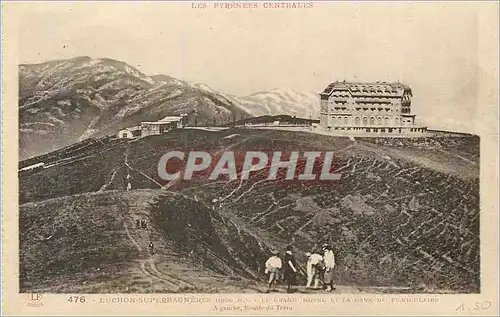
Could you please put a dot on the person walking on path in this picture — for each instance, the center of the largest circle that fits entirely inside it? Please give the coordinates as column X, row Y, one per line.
column 291, row 269
column 329, row 261
column 273, row 266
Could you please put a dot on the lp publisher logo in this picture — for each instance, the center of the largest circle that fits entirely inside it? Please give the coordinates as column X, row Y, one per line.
column 35, row 300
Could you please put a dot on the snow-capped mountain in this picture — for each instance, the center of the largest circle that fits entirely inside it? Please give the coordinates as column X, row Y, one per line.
column 284, row 101
column 279, row 101
column 64, row 101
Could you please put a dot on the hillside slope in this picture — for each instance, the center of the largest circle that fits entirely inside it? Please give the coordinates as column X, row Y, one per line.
column 405, row 212
column 99, row 248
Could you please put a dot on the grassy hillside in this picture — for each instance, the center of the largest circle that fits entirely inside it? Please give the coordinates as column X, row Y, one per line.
column 405, row 212
column 90, row 243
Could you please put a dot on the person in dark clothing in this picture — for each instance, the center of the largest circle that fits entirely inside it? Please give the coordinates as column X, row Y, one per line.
column 151, row 248
column 291, row 269
column 138, row 224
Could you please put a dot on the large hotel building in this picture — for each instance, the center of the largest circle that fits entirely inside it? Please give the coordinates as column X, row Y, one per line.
column 368, row 108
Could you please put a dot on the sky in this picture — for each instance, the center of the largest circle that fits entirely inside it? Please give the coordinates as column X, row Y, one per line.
column 433, row 47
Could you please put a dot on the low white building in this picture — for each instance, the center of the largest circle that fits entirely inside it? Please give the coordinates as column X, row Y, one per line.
column 129, row 133
column 161, row 126
column 174, row 120
column 153, row 127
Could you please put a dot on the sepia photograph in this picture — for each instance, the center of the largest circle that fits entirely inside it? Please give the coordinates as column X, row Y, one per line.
column 305, row 148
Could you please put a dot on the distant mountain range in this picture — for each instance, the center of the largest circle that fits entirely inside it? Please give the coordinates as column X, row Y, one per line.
column 65, row 101
column 274, row 102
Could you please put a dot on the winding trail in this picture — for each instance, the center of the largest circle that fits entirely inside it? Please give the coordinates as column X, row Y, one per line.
column 147, row 262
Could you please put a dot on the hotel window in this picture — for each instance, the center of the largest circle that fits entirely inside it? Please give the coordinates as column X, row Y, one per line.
column 379, row 121
column 356, row 121
column 372, row 121
column 365, row 120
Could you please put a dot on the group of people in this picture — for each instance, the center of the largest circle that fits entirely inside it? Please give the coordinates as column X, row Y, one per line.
column 143, row 224
column 319, row 266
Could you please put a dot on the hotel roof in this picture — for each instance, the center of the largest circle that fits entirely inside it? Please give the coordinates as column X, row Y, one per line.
column 368, row 89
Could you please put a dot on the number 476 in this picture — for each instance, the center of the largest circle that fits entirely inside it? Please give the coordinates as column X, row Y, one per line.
column 76, row 299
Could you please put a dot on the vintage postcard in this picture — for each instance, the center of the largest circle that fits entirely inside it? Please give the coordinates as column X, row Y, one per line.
column 250, row 158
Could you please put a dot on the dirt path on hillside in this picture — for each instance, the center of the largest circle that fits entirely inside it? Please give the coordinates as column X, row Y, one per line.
column 148, row 263
column 161, row 281
column 163, row 274
column 141, row 239
column 186, row 279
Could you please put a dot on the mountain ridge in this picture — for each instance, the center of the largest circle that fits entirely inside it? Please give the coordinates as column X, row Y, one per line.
column 68, row 100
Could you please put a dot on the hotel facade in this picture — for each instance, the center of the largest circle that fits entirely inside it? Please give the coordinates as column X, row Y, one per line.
column 368, row 108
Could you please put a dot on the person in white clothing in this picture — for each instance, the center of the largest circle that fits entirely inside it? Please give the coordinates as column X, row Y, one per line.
column 273, row 266
column 314, row 262
column 329, row 261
